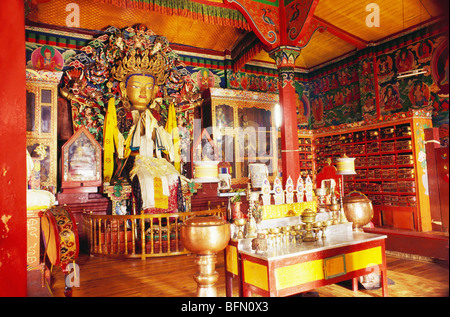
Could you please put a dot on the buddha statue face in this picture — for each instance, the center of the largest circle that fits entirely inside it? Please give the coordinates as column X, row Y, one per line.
column 140, row 90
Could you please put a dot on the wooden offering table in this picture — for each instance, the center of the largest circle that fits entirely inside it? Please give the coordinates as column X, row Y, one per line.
column 299, row 267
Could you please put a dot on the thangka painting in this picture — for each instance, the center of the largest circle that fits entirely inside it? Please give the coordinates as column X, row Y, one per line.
column 335, row 97
column 303, row 105
column 47, row 58
column 207, row 78
column 367, row 89
column 428, row 91
column 252, row 82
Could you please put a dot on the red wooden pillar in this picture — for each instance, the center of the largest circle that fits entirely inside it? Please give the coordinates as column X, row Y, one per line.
column 285, row 57
column 13, row 230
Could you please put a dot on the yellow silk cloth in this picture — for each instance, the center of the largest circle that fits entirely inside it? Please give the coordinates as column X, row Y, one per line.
column 172, row 129
column 113, row 140
column 161, row 200
column 109, row 130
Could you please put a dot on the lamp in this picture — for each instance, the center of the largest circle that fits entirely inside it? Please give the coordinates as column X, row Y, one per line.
column 345, row 166
column 277, row 115
column 413, row 72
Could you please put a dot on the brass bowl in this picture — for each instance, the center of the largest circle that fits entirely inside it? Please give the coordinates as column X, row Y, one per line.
column 299, row 227
column 320, row 191
column 359, row 210
column 274, row 230
column 205, row 235
column 333, row 207
column 240, row 221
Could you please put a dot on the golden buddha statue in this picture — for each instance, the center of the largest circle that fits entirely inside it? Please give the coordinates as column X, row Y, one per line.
column 144, row 147
column 140, row 135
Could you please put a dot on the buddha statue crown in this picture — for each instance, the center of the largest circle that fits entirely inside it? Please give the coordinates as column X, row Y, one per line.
column 138, row 51
column 139, row 62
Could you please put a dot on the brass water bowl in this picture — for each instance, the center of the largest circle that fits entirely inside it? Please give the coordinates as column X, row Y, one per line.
column 320, row 191
column 205, row 235
column 240, row 221
column 359, row 210
column 274, row 230
column 333, row 207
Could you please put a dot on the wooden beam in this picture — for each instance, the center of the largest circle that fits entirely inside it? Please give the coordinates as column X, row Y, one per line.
column 305, row 31
column 343, row 35
column 245, row 50
column 243, row 44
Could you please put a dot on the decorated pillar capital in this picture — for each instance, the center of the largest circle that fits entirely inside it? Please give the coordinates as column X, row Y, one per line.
column 285, row 56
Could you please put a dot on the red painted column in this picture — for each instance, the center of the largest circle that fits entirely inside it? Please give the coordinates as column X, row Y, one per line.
column 285, row 59
column 13, row 230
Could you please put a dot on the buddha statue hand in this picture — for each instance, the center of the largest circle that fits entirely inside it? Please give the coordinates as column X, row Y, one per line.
column 156, row 104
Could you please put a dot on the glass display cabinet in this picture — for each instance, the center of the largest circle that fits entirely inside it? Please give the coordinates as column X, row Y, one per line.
column 41, row 103
column 242, row 126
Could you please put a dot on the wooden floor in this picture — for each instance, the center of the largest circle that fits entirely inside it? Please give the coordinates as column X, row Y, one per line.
column 173, row 277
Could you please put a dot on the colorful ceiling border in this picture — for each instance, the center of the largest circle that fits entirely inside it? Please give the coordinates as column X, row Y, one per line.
column 206, row 11
column 400, row 41
column 69, row 39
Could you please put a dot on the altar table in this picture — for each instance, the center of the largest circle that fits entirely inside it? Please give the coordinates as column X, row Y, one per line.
column 295, row 268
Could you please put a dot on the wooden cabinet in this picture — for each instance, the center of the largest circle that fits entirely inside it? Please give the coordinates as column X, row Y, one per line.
column 41, row 99
column 390, row 162
column 306, row 152
column 242, row 126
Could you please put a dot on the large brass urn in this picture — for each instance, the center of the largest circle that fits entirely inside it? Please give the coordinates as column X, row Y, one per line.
column 205, row 236
column 358, row 209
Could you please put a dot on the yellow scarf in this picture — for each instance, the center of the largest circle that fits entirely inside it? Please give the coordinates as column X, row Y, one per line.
column 110, row 132
column 112, row 137
column 171, row 127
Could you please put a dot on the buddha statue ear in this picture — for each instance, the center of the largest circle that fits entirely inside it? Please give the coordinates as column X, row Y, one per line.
column 125, row 102
column 123, row 89
column 155, row 91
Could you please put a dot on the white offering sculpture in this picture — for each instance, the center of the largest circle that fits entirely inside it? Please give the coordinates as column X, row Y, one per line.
column 278, row 192
column 300, row 189
column 265, row 192
column 304, row 189
column 289, row 191
column 308, row 189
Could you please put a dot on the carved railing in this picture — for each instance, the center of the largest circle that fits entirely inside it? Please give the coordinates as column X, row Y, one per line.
column 140, row 236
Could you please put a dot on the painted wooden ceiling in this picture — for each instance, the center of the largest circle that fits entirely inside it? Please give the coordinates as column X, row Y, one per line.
column 344, row 22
